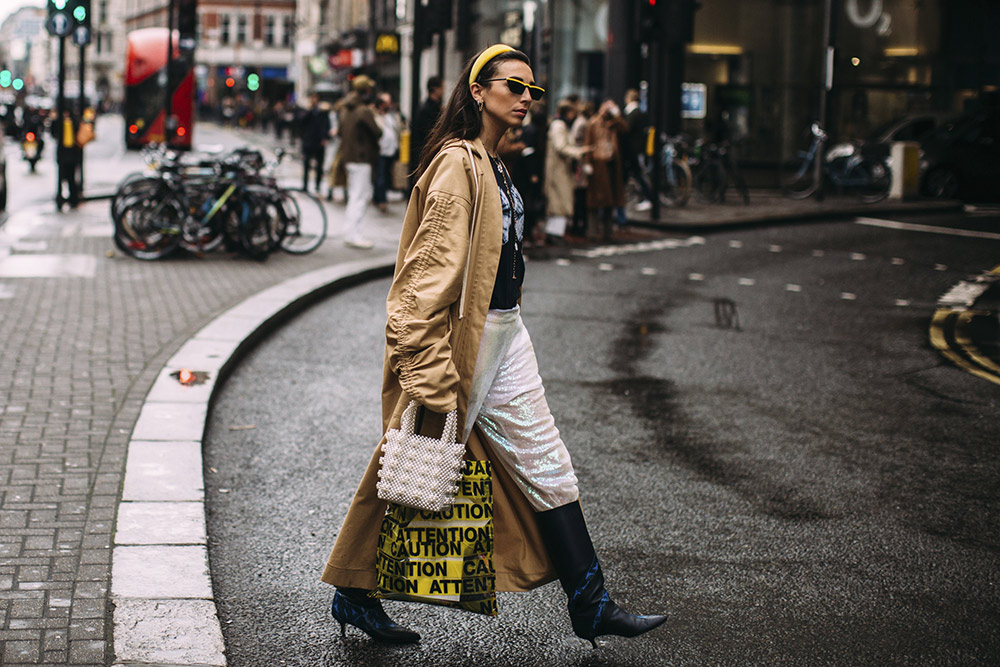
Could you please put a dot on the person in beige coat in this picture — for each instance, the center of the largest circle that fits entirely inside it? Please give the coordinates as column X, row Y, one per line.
column 561, row 154
column 455, row 341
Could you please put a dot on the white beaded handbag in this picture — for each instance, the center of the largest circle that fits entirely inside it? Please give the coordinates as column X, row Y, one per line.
column 419, row 471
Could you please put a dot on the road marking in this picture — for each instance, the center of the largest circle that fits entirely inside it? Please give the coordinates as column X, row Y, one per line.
column 648, row 271
column 6, row 291
column 603, row 266
column 848, row 296
column 898, row 261
column 902, row 303
column 791, row 287
column 940, row 267
column 946, row 317
column 696, row 277
column 818, row 253
column 646, row 246
column 736, row 244
column 747, row 282
column 563, row 262
column 48, row 266
column 932, row 229
column 774, row 248
column 858, row 256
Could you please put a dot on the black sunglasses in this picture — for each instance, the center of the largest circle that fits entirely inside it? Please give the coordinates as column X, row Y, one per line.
column 517, row 87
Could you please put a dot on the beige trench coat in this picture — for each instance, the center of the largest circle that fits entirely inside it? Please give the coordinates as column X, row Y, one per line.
column 431, row 354
column 560, row 181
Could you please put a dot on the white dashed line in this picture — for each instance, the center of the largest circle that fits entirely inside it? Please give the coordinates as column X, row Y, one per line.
column 791, row 287
column 736, row 244
column 603, row 266
column 563, row 262
column 898, row 261
column 648, row 271
column 774, row 248
column 911, row 227
column 902, row 303
column 646, row 246
column 747, row 282
column 848, row 296
column 940, row 267
column 696, row 277
column 858, row 256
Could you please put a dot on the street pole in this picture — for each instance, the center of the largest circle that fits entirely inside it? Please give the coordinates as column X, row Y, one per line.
column 168, row 104
column 80, row 107
column 60, row 109
column 415, row 88
column 828, row 53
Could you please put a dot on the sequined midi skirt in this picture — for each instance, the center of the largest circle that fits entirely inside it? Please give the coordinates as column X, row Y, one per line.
column 507, row 402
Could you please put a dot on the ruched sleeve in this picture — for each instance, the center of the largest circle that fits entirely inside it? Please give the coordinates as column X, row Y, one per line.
column 427, row 283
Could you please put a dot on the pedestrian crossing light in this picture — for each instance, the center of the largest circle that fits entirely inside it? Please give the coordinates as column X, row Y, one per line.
column 5, row 78
column 253, row 82
column 17, row 84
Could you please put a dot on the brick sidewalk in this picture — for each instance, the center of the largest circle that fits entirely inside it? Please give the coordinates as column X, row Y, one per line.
column 79, row 355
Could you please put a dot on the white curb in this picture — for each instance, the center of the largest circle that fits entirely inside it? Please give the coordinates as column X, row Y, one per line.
column 161, row 585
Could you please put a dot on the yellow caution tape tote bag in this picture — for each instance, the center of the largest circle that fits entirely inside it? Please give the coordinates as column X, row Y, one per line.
column 446, row 557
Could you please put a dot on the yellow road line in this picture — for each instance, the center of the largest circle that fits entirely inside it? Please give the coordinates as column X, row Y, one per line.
column 945, row 317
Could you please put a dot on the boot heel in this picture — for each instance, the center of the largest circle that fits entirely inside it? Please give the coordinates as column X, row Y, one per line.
column 354, row 607
column 343, row 629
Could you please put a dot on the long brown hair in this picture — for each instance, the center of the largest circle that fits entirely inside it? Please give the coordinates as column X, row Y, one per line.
column 461, row 118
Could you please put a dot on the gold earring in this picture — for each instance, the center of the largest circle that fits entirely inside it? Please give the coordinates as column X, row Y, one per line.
column 479, row 105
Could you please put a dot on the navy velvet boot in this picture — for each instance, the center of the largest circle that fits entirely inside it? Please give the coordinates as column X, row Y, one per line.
column 591, row 609
column 353, row 606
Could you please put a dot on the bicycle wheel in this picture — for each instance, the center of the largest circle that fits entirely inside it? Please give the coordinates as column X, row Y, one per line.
column 798, row 177
column 710, row 181
column 674, row 187
column 875, row 178
column 148, row 228
column 306, row 222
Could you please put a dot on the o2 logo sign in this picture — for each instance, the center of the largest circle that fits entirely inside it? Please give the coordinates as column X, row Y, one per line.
column 873, row 17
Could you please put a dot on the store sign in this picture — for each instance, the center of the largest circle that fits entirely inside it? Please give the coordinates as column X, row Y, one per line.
column 346, row 58
column 387, row 44
column 694, row 100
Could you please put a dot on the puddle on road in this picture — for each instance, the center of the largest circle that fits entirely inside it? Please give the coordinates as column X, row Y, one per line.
column 48, row 266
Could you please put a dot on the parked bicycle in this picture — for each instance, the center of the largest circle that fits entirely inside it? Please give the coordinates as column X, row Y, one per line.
column 846, row 167
column 671, row 182
column 230, row 201
column 712, row 168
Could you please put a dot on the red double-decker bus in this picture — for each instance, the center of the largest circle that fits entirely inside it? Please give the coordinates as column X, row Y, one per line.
column 145, row 94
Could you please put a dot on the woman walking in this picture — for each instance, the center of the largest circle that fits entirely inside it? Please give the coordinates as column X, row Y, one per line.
column 455, row 341
column 607, row 185
column 561, row 157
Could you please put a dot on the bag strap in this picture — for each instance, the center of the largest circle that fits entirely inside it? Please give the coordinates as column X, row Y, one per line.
column 472, row 231
column 412, row 418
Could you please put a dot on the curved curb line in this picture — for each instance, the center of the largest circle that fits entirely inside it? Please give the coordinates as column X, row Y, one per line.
column 161, row 586
column 949, row 328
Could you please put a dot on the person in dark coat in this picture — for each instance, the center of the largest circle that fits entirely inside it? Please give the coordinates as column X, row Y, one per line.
column 69, row 158
column 633, row 146
column 425, row 118
column 315, row 134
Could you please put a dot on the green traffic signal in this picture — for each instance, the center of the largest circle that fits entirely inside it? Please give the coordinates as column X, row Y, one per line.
column 80, row 13
column 18, row 84
column 253, row 82
column 59, row 4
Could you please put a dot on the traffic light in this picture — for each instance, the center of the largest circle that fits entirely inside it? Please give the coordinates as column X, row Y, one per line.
column 79, row 11
column 667, row 20
column 187, row 22
column 60, row 18
column 253, row 82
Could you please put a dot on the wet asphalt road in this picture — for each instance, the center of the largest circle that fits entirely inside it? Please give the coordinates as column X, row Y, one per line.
column 813, row 487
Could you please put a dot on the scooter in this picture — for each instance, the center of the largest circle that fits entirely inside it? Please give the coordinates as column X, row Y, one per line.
column 31, row 148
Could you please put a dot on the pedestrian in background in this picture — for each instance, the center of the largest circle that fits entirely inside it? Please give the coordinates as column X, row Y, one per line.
column 69, row 159
column 359, row 150
column 388, row 148
column 606, row 189
column 562, row 156
column 315, row 126
column 528, row 169
column 633, row 147
column 580, row 179
column 467, row 350
column 425, row 119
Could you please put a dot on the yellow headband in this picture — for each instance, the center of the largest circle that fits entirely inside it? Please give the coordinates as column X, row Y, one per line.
column 486, row 56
